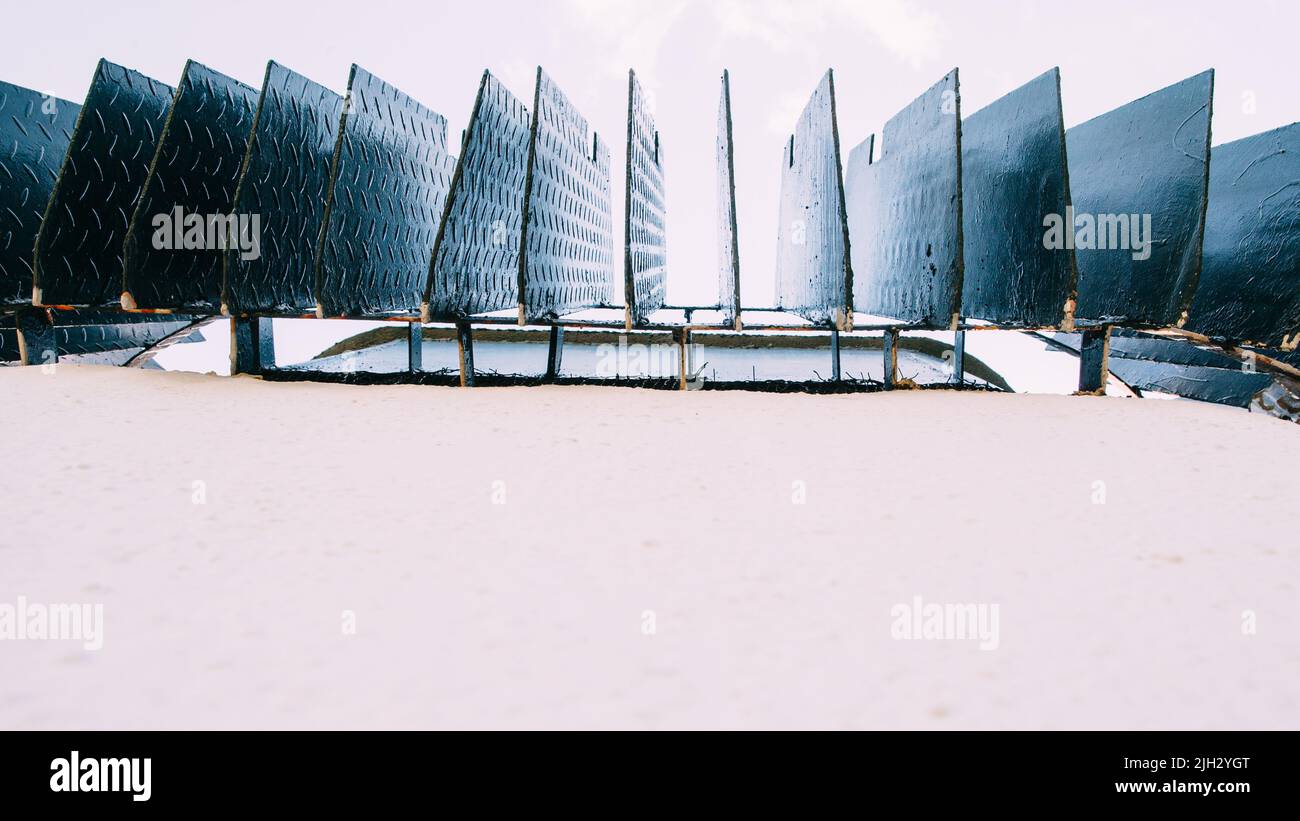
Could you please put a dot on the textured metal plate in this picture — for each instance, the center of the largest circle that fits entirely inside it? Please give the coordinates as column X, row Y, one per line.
column 567, row 260
column 1013, row 176
column 82, row 333
column 195, row 169
column 35, row 130
column 79, row 246
column 813, row 275
column 476, row 255
column 645, row 249
column 905, row 212
column 1180, row 368
column 390, row 186
column 728, row 237
column 285, row 182
column 1249, row 288
column 1147, row 158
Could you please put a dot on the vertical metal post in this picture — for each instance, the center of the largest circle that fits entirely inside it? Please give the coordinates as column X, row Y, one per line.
column 414, row 347
column 36, row 343
column 891, row 358
column 465, row 345
column 835, row 354
column 1094, row 367
column 682, row 336
column 959, row 358
column 555, row 353
column 245, row 348
column 265, row 329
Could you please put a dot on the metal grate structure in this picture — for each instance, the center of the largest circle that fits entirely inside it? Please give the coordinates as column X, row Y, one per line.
column 285, row 183
column 567, row 247
column 905, row 212
column 475, row 265
column 1014, row 175
column 814, row 277
column 1138, row 181
column 80, row 244
column 645, row 246
column 391, row 175
column 174, row 246
column 35, row 130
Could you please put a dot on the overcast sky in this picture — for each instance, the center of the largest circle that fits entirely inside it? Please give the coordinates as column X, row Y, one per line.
column 884, row 53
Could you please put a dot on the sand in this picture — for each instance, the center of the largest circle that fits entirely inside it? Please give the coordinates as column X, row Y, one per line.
column 417, row 557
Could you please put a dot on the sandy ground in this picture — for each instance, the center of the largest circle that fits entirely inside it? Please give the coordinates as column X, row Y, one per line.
column 413, row 557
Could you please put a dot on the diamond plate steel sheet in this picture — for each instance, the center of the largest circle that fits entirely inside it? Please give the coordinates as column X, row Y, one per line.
column 80, row 243
column 476, row 255
column 35, row 130
column 78, row 332
column 645, row 247
column 284, row 182
column 1249, row 288
column 391, row 178
column 728, row 237
column 1014, row 175
column 814, row 276
column 192, row 177
column 567, row 259
column 905, row 213
column 1138, row 180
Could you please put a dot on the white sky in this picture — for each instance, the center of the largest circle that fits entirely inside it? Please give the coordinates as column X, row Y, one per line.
column 884, row 53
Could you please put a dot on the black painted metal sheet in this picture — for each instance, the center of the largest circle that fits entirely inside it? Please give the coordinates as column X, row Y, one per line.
column 285, row 182
column 35, row 130
column 389, row 190
column 728, row 237
column 813, row 273
column 567, row 260
column 195, row 169
column 645, row 247
column 1179, row 367
column 80, row 243
column 1137, row 345
column 476, row 254
column 1249, row 288
column 1013, row 175
column 905, row 213
column 77, row 332
column 1143, row 164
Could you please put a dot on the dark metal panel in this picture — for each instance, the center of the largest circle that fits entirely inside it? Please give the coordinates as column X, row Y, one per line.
column 285, row 181
column 35, row 130
column 728, row 238
column 567, row 261
column 476, row 254
column 905, row 211
column 388, row 193
column 79, row 246
column 1250, row 280
column 1219, row 385
column 1147, row 158
column 75, row 332
column 644, row 243
column 195, row 169
column 813, row 275
column 1134, row 345
column 1014, row 175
